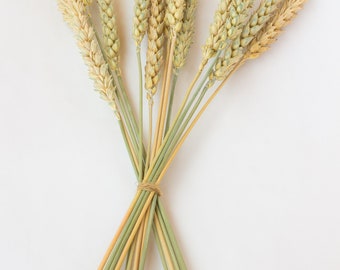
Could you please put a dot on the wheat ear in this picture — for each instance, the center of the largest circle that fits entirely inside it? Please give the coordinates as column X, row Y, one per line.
column 154, row 55
column 185, row 36
column 110, row 33
column 74, row 12
column 174, row 16
column 234, row 53
column 140, row 20
column 217, row 32
column 285, row 14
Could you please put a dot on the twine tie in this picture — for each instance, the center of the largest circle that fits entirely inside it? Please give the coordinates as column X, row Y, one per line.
column 151, row 187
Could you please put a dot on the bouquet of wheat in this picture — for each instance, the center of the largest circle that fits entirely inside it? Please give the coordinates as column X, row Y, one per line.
column 241, row 30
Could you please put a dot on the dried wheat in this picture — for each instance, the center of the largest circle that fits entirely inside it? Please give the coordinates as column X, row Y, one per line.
column 154, row 55
column 234, row 53
column 140, row 20
column 283, row 17
column 75, row 15
column 238, row 14
column 87, row 2
column 218, row 33
column 184, row 37
column 111, row 39
column 174, row 15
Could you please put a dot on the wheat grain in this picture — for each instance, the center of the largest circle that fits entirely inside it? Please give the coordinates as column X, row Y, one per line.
column 154, row 55
column 87, row 2
column 140, row 20
column 283, row 17
column 110, row 33
column 75, row 15
column 184, row 37
column 234, row 53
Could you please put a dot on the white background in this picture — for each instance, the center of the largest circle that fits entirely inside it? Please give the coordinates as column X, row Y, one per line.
column 256, row 186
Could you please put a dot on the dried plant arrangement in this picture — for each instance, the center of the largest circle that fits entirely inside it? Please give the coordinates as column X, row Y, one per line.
column 241, row 30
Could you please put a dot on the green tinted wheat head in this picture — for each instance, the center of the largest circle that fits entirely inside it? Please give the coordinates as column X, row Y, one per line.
column 74, row 12
column 184, row 37
column 234, row 53
column 238, row 14
column 111, row 39
column 217, row 32
column 174, row 15
column 154, row 54
column 140, row 20
column 283, row 17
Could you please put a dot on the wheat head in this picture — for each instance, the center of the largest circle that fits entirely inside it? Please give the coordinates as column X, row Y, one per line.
column 174, row 16
column 284, row 15
column 154, row 54
column 218, row 33
column 185, row 36
column 140, row 20
column 110, row 33
column 74, row 12
column 234, row 53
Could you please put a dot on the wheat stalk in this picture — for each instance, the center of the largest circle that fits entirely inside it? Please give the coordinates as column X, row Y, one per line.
column 110, row 33
column 74, row 12
column 236, row 34
column 285, row 14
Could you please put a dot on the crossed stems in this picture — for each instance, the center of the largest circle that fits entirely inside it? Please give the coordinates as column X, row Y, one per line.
column 146, row 212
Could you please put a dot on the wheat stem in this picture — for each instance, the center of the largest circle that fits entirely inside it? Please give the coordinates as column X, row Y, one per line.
column 130, row 256
column 198, row 116
column 166, row 91
column 149, row 221
column 171, row 100
column 141, row 148
column 160, row 247
column 167, row 254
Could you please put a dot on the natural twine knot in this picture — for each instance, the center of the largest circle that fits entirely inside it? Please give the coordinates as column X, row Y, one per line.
column 151, row 187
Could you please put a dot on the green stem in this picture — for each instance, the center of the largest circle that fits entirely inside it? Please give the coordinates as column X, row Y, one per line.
column 164, row 220
column 160, row 247
column 122, row 129
column 182, row 129
column 128, row 114
column 130, row 256
column 155, row 170
column 147, row 233
column 171, row 100
column 141, row 148
column 141, row 200
column 169, row 243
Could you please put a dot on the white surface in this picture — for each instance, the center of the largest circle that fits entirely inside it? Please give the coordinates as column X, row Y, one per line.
column 256, row 186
